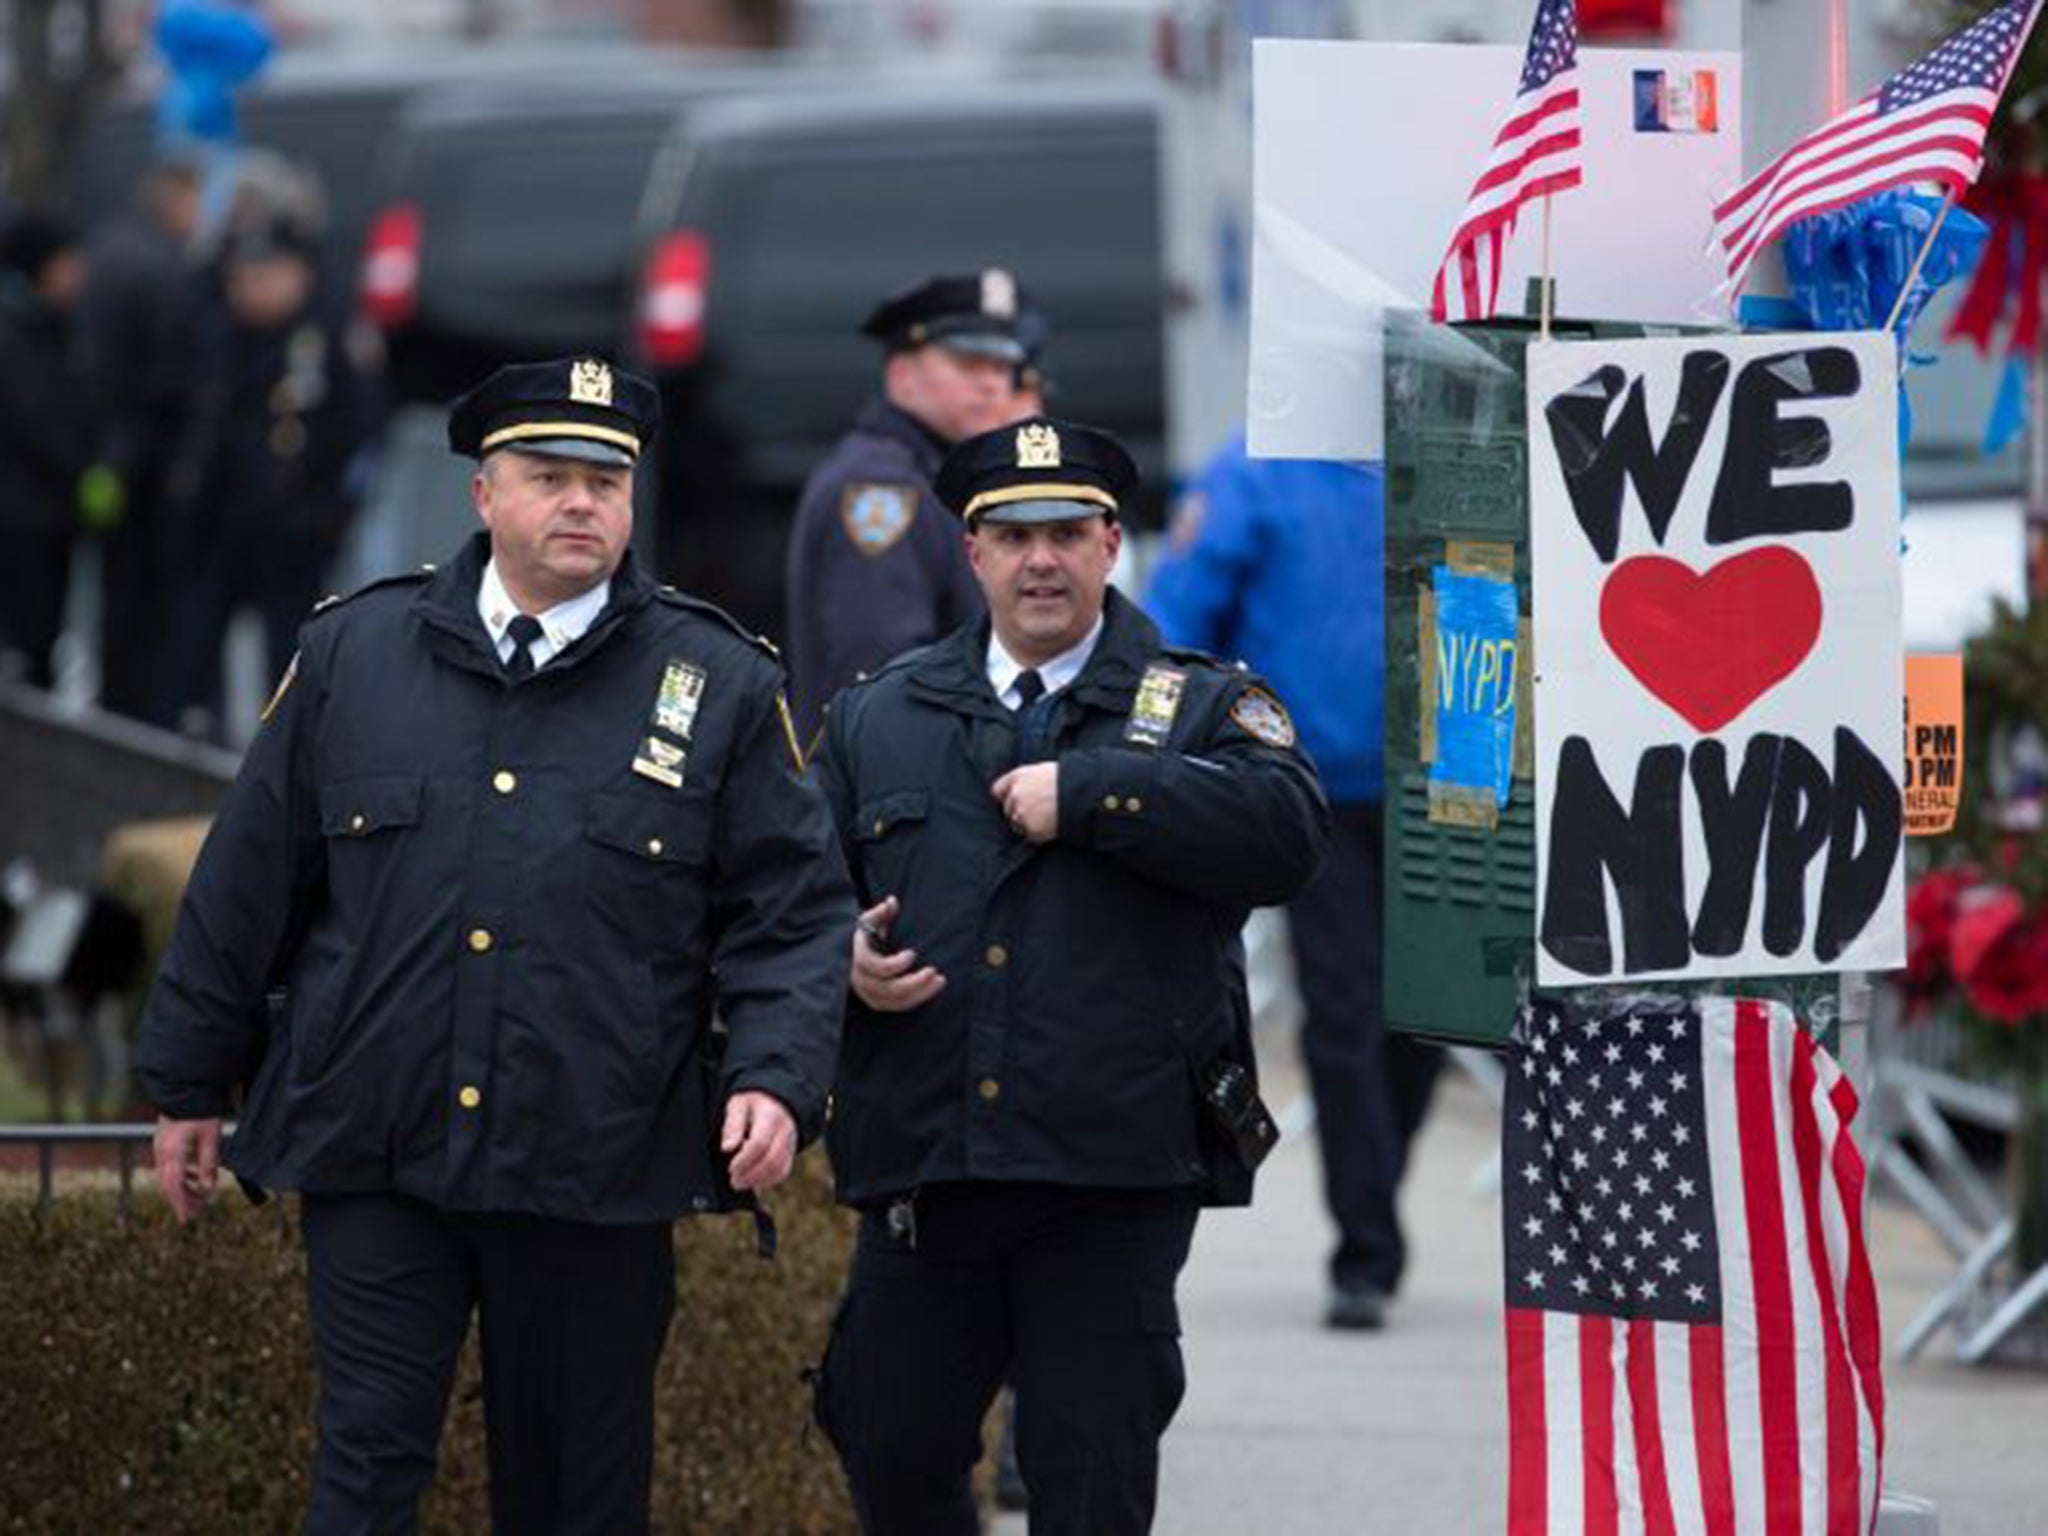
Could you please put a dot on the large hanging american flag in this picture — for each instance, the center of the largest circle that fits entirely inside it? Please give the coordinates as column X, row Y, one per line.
column 1925, row 124
column 1692, row 1326
column 1535, row 154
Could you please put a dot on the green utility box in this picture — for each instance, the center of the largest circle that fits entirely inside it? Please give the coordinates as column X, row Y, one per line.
column 1460, row 869
column 1460, row 897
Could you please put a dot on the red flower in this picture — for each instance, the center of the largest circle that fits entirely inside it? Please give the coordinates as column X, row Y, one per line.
column 1930, row 915
column 1984, row 915
column 2009, row 981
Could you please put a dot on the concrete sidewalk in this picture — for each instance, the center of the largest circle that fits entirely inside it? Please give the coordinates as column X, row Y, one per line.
column 1289, row 1430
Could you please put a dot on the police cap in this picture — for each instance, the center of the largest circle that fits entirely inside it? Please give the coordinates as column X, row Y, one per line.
column 972, row 312
column 1036, row 471
column 571, row 408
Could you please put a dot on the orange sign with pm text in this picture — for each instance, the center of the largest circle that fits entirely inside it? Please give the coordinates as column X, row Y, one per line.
column 1934, row 743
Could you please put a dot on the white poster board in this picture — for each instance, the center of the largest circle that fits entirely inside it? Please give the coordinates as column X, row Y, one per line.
column 1714, row 548
column 1362, row 156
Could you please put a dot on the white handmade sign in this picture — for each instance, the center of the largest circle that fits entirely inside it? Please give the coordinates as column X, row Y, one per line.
column 1362, row 157
column 1714, row 528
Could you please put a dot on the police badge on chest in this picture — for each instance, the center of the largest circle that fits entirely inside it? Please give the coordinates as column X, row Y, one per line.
column 665, row 749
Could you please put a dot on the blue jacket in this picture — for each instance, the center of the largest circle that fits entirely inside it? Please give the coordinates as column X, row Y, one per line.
column 1278, row 562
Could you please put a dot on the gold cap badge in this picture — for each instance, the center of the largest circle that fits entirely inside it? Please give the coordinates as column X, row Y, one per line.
column 1038, row 447
column 999, row 294
column 590, row 383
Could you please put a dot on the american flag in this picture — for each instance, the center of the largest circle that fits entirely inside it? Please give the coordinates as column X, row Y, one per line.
column 1924, row 124
column 1692, row 1327
column 1535, row 154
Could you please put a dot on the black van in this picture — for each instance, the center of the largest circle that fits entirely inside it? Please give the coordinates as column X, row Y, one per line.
column 774, row 223
column 507, row 208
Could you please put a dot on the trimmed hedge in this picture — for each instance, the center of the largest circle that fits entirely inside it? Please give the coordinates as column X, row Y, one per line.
column 160, row 1380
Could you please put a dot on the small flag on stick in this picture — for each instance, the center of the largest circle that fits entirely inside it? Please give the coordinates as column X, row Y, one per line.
column 1535, row 154
column 1925, row 124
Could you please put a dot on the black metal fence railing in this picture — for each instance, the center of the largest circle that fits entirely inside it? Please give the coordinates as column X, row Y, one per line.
column 131, row 1143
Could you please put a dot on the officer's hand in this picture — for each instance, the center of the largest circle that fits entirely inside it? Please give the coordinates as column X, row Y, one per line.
column 759, row 1139
column 1030, row 798
column 891, row 983
column 187, row 1162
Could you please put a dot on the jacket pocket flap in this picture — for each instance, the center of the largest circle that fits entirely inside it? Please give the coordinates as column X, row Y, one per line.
column 358, row 807
column 637, row 824
column 878, row 816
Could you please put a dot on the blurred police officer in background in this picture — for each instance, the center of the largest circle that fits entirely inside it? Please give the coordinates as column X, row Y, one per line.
column 49, row 426
column 511, row 832
column 139, row 287
column 273, row 411
column 1056, row 827
column 874, row 562
column 1278, row 561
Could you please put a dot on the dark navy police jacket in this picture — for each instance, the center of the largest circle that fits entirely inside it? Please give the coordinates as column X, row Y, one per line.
column 500, row 946
column 875, row 561
column 1088, row 979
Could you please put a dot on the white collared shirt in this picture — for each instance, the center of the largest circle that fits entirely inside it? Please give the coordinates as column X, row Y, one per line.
column 560, row 626
column 1004, row 669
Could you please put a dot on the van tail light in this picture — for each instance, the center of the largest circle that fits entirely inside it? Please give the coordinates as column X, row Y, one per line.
column 673, row 289
column 390, row 290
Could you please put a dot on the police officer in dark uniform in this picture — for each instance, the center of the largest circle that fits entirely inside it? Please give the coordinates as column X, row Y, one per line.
column 511, row 831
column 1057, row 826
column 874, row 563
column 259, row 486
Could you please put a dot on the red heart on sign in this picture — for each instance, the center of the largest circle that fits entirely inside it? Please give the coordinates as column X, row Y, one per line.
column 1711, row 644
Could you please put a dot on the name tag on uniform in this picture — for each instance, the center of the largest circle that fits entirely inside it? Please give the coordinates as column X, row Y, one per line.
column 1158, row 701
column 660, row 761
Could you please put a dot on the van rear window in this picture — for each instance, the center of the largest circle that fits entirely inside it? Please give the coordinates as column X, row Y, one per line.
column 548, row 210
column 823, row 238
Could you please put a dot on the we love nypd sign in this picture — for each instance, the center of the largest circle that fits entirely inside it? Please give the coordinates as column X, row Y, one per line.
column 1718, row 670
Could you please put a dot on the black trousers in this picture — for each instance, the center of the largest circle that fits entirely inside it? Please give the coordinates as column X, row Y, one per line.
column 1069, row 1293
column 1371, row 1088
column 276, row 572
column 135, row 600
column 35, row 579
column 573, row 1318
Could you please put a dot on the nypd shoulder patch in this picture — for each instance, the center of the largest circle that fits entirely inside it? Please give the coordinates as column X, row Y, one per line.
column 877, row 516
column 1261, row 715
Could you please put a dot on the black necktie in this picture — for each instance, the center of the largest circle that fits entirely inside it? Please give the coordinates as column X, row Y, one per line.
column 523, row 630
column 1034, row 718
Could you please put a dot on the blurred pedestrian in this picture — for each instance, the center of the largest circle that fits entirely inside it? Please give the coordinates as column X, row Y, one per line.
column 260, row 485
column 1056, row 827
column 49, row 426
column 140, row 261
column 875, row 564
column 513, row 835
column 1279, row 562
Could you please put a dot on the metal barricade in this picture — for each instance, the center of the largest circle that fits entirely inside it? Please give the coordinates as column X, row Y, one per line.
column 1922, row 1085
column 48, row 1140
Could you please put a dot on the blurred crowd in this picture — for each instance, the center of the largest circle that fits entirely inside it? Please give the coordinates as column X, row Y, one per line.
column 180, row 393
